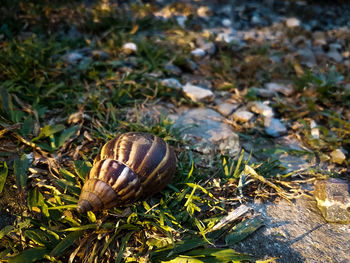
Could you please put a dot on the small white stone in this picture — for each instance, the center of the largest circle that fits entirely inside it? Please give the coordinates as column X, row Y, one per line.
column 320, row 39
column 278, row 87
column 307, row 57
column 198, row 53
column 261, row 108
column 226, row 22
column 203, row 11
column 30, row 157
column 243, row 115
column 226, row 108
column 197, row 94
column 130, row 47
column 209, row 48
column 256, row 19
column 335, row 46
column 181, row 20
column 75, row 117
column 171, row 83
column 292, row 22
column 338, row 156
column 73, row 57
column 274, row 127
column 315, row 132
column 216, row 182
column 262, row 92
column 173, row 69
column 228, row 38
column 335, row 55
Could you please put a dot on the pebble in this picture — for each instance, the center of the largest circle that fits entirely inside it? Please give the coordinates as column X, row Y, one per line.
column 226, row 22
column 333, row 199
column 191, row 65
column 181, row 20
column 301, row 41
column 209, row 48
column 198, row 53
column 274, row 127
column 171, row 83
column 226, row 108
column 197, row 93
column 338, row 156
column 288, row 160
column 73, row 57
column 307, row 57
column 261, row 108
column 315, row 132
column 263, row 92
column 279, row 87
column 77, row 117
column 292, row 22
column 319, row 38
column 173, row 69
column 130, row 47
column 203, row 11
column 335, row 55
column 335, row 46
column 229, row 38
column 206, row 131
column 243, row 116
column 256, row 20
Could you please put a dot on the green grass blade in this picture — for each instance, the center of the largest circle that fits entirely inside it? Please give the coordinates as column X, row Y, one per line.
column 20, row 167
column 66, row 243
column 73, row 206
column 242, row 230
column 29, row 255
column 82, row 168
column 235, row 174
column 123, row 246
column 6, row 230
column 49, row 130
column 65, row 135
column 219, row 254
column 3, row 175
column 180, row 247
column 5, row 102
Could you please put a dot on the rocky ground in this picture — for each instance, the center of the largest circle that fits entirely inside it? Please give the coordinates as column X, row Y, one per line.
column 310, row 34
column 297, row 232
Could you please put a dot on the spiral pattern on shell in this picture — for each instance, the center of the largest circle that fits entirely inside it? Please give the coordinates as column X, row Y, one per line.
column 131, row 167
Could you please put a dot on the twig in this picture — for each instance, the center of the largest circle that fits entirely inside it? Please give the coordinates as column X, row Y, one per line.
column 30, row 144
column 250, row 171
column 233, row 215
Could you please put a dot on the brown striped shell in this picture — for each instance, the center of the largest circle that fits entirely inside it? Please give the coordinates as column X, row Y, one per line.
column 128, row 168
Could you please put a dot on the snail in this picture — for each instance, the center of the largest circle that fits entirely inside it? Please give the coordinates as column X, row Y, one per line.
column 128, row 168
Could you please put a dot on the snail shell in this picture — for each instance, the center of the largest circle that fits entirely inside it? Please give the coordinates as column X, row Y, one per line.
column 128, row 168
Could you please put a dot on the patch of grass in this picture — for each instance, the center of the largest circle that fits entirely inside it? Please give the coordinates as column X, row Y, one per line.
column 328, row 107
column 28, row 66
column 51, row 227
column 325, row 84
